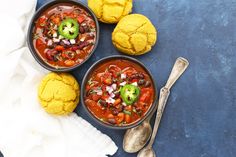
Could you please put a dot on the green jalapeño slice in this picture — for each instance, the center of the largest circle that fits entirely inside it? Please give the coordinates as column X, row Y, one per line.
column 129, row 94
column 69, row 28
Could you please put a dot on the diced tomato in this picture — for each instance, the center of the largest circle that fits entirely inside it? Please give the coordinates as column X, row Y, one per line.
column 80, row 19
column 59, row 48
column 99, row 76
column 63, row 55
column 134, row 80
column 120, row 117
column 117, row 102
column 111, row 119
column 105, row 96
column 128, row 108
column 145, row 94
column 108, row 81
column 127, row 118
column 87, row 87
column 42, row 21
column 106, row 78
column 103, row 88
column 92, row 24
column 56, row 20
column 95, row 97
column 40, row 44
column 69, row 62
column 110, row 116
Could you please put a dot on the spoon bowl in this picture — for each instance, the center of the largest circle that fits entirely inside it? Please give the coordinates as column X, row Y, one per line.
column 146, row 152
column 135, row 139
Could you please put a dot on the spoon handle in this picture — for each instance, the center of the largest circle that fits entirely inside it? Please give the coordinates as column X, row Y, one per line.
column 179, row 67
column 164, row 94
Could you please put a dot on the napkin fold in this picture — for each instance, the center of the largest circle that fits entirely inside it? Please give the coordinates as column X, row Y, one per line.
column 26, row 129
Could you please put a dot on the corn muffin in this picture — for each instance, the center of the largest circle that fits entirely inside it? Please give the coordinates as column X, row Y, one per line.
column 110, row 11
column 134, row 35
column 58, row 93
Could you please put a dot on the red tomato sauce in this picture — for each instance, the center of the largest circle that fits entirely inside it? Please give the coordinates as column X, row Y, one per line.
column 60, row 50
column 103, row 92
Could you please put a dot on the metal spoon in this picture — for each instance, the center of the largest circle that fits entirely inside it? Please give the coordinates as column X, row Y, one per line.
column 180, row 66
column 137, row 137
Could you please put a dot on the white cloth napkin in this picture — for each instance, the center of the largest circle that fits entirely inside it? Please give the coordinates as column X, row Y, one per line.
column 26, row 130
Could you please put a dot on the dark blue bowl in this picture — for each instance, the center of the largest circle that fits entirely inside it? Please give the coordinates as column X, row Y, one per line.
column 30, row 34
column 88, row 74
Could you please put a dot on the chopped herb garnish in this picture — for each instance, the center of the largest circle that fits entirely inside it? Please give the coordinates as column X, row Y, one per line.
column 90, row 81
column 92, row 30
column 127, row 112
column 99, row 101
column 42, row 24
column 118, row 73
column 139, row 113
column 36, row 36
column 92, row 91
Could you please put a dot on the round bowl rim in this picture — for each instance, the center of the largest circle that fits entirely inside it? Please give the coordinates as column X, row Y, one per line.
column 84, row 81
column 30, row 38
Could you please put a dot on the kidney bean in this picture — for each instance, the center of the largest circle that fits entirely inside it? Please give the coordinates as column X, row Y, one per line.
column 83, row 44
column 140, row 75
column 141, row 82
column 120, row 108
column 117, row 94
column 81, row 29
column 55, row 58
column 111, row 120
column 50, row 54
column 86, row 28
column 103, row 103
column 74, row 48
column 62, row 43
column 138, row 109
column 114, row 111
column 134, row 76
column 90, row 37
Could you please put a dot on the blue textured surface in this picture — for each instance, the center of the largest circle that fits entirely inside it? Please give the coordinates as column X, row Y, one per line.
column 200, row 117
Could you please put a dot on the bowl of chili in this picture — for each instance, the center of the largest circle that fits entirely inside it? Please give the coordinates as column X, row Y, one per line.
column 118, row 92
column 63, row 35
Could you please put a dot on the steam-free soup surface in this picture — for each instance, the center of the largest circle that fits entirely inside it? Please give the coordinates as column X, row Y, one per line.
column 64, row 35
column 119, row 92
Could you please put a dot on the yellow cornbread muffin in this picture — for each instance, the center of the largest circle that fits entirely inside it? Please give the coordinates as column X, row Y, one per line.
column 134, row 35
column 110, row 11
column 58, row 93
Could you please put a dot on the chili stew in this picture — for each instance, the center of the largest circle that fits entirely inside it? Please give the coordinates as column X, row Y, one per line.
column 64, row 35
column 119, row 92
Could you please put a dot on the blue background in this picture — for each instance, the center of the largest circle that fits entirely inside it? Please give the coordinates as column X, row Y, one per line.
column 200, row 117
